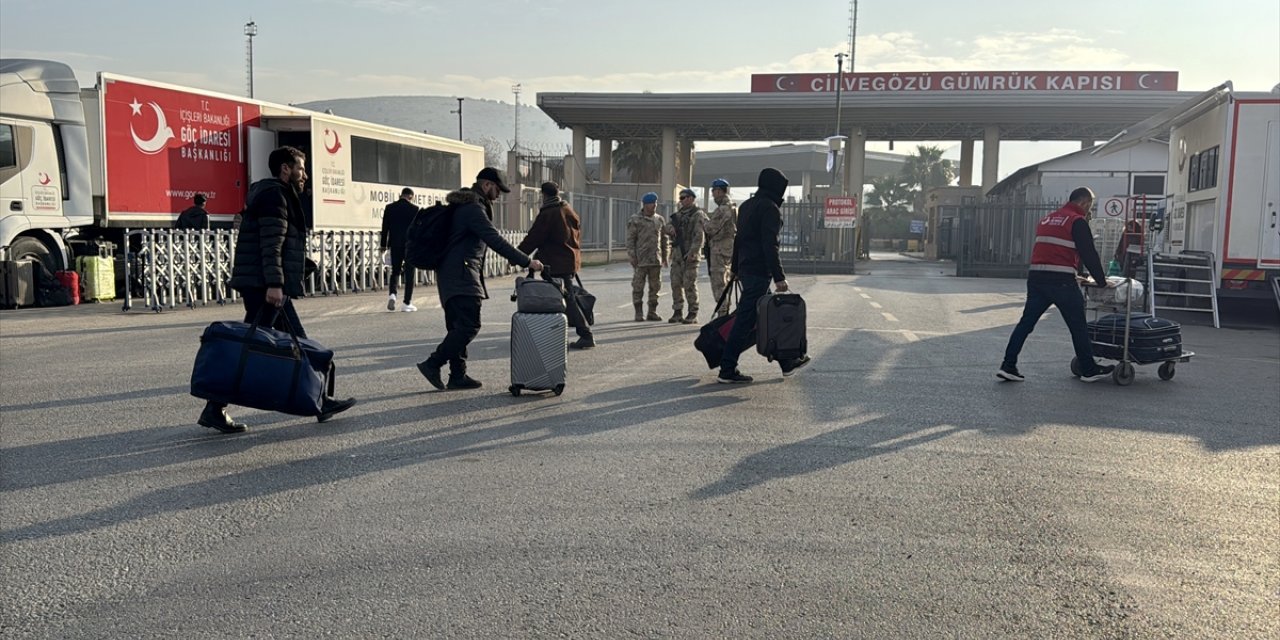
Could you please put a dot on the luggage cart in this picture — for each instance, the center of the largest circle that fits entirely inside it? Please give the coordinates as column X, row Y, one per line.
column 1099, row 300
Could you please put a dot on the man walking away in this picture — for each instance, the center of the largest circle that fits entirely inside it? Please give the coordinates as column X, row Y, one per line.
column 460, row 278
column 267, row 268
column 396, row 219
column 721, row 229
column 194, row 217
column 1063, row 241
column 556, row 239
column 755, row 261
column 687, row 231
column 647, row 249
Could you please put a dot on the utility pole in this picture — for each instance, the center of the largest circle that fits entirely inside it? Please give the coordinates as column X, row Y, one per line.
column 515, row 88
column 459, row 112
column 853, row 33
column 250, row 30
column 835, row 164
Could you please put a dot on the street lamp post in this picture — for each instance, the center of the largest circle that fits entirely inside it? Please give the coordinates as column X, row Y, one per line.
column 459, row 112
column 835, row 165
column 250, row 30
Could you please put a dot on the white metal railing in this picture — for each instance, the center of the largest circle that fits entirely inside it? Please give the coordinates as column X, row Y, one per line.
column 169, row 268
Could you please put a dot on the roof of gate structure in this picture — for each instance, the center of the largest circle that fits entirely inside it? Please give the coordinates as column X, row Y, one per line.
column 1021, row 115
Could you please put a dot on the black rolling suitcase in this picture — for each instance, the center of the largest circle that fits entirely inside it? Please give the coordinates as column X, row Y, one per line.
column 18, row 284
column 780, row 329
column 1151, row 339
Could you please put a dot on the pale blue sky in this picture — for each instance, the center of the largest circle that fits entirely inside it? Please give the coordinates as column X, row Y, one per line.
column 315, row 49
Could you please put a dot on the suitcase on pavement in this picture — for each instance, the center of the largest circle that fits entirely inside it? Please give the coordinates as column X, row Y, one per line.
column 17, row 284
column 780, row 329
column 70, row 280
column 1151, row 339
column 97, row 277
column 539, row 352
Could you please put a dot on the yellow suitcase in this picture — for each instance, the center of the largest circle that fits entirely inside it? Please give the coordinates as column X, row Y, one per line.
column 97, row 277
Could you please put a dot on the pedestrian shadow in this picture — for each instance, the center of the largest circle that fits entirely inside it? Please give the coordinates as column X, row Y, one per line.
column 449, row 433
column 980, row 403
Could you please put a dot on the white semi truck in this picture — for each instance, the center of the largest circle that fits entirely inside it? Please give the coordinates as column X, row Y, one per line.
column 79, row 165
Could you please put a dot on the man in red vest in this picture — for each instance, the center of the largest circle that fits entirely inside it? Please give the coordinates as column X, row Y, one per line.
column 1063, row 242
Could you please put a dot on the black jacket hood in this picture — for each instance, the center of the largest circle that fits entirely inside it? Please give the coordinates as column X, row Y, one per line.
column 772, row 184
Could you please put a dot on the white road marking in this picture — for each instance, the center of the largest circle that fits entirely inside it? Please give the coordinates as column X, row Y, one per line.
column 888, row 316
column 875, row 305
column 911, row 336
column 865, row 296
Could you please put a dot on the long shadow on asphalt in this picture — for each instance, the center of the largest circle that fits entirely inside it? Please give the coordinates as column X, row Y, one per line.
column 525, row 422
column 899, row 416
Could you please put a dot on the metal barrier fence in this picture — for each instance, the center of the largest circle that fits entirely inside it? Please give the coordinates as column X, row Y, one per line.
column 168, row 268
column 995, row 237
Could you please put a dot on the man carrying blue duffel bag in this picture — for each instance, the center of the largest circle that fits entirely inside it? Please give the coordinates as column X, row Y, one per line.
column 266, row 362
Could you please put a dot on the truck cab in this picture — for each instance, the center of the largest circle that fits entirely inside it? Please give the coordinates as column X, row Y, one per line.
column 44, row 161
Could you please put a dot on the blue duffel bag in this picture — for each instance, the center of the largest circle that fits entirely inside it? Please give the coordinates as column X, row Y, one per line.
column 255, row 366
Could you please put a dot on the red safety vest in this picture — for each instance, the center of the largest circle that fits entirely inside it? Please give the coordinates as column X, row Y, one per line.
column 1055, row 248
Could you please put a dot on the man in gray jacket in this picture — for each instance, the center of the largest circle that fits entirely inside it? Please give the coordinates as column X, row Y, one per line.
column 460, row 278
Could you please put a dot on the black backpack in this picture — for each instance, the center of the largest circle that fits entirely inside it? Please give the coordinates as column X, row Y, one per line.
column 427, row 240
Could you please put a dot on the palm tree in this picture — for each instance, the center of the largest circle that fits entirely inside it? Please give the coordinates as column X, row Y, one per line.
column 641, row 159
column 889, row 193
column 926, row 169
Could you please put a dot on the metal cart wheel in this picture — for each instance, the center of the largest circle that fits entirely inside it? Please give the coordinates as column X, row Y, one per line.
column 1167, row 370
column 1075, row 367
column 1123, row 374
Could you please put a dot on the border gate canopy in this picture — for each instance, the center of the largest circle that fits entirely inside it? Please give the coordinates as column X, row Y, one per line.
column 901, row 116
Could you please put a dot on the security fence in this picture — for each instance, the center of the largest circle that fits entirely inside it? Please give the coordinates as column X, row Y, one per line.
column 168, row 268
column 993, row 238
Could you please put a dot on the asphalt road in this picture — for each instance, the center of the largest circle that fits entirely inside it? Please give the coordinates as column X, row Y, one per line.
column 893, row 488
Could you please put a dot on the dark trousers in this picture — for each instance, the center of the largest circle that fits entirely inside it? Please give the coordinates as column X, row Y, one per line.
column 461, row 323
column 753, row 288
column 572, row 312
column 398, row 265
column 1070, row 303
column 255, row 300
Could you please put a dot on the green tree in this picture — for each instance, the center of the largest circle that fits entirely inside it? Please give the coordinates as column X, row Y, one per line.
column 641, row 159
column 925, row 169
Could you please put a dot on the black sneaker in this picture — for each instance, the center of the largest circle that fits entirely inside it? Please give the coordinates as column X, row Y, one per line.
column 464, row 382
column 432, row 374
column 1010, row 373
column 790, row 367
column 584, row 343
column 215, row 417
column 733, row 377
column 1103, row 371
column 334, row 407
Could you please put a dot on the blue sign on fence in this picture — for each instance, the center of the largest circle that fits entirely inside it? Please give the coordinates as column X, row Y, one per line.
column 917, row 226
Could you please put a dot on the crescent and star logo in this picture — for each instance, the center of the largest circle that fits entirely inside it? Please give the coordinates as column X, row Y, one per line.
column 163, row 133
column 337, row 144
column 784, row 84
column 1142, row 81
column 44, row 178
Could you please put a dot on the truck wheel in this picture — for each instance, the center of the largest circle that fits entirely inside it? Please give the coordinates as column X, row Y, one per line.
column 28, row 248
column 1166, row 370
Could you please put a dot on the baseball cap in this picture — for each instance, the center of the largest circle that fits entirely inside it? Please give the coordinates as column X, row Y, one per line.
column 493, row 175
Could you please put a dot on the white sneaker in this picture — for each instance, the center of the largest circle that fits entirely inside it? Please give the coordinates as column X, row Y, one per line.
column 408, row 308
column 391, row 302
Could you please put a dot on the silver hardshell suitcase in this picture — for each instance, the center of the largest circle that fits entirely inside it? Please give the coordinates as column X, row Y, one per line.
column 539, row 348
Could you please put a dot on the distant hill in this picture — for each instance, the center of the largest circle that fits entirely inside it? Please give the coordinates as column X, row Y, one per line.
column 482, row 120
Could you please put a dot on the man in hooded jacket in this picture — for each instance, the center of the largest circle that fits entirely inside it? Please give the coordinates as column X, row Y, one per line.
column 460, row 278
column 756, row 262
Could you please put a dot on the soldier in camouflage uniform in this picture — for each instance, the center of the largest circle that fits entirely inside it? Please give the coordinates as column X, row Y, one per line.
column 688, row 234
column 647, row 248
column 721, row 229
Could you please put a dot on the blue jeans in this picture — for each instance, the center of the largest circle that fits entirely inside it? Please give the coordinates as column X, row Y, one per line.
column 1070, row 303
column 753, row 288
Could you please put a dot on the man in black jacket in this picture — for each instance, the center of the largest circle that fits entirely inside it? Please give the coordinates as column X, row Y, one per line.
column 460, row 278
column 755, row 263
column 267, row 268
column 396, row 219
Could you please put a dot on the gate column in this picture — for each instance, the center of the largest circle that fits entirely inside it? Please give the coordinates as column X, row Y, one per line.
column 990, row 157
column 668, row 165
